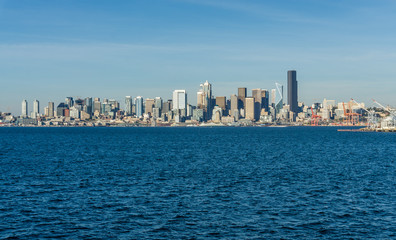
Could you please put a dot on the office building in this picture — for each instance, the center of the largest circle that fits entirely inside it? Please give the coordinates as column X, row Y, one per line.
column 179, row 99
column 242, row 93
column 36, row 109
column 88, row 105
column 139, row 106
column 249, row 108
column 204, row 99
column 234, row 105
column 69, row 101
column 51, row 109
column 149, row 106
column 128, row 105
column 222, row 103
column 278, row 97
column 24, row 108
column 292, row 90
column 60, row 110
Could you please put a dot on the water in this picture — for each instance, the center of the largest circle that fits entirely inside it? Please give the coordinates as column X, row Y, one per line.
column 197, row 183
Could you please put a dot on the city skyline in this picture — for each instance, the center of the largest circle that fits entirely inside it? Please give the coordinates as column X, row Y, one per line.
column 74, row 48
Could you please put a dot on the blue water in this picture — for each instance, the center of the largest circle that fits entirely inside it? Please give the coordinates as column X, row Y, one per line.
column 197, row 183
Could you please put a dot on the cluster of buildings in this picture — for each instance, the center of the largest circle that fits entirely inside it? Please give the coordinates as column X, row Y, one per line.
column 261, row 106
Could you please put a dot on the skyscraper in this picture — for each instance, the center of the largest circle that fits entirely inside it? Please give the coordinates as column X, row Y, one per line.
column 278, row 97
column 24, row 108
column 242, row 93
column 69, row 101
column 51, row 109
column 88, row 106
column 256, row 94
column 149, row 106
column 250, row 108
column 204, row 99
column 128, row 105
column 234, row 106
column 179, row 99
column 222, row 103
column 36, row 109
column 139, row 106
column 292, row 90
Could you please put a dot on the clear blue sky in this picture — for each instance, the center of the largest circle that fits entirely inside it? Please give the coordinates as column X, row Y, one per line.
column 50, row 49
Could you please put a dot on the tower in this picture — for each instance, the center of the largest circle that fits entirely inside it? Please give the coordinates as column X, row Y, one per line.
column 139, row 106
column 292, row 91
column 51, row 108
column 128, row 105
column 24, row 108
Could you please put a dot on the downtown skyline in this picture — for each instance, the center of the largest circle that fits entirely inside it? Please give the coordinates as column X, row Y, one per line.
column 72, row 48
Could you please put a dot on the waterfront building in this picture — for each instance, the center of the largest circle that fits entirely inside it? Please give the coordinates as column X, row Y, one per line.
column 24, row 108
column 74, row 112
column 51, row 109
column 139, row 106
column 292, row 91
column 249, row 108
column 217, row 114
column 128, row 105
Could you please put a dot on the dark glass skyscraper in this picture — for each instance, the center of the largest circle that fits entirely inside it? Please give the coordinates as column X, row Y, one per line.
column 292, row 90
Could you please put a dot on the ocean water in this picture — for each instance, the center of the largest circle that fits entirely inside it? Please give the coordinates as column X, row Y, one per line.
column 197, row 183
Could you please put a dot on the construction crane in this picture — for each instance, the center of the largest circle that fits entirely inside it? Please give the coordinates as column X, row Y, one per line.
column 314, row 118
column 371, row 119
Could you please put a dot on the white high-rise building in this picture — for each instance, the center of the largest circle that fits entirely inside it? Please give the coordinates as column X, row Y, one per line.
column 179, row 99
column 24, row 108
column 36, row 109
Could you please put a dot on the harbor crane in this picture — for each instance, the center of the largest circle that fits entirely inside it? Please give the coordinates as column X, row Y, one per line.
column 371, row 119
column 392, row 113
column 350, row 118
column 314, row 119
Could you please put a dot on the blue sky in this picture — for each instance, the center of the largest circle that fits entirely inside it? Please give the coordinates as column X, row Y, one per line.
column 109, row 49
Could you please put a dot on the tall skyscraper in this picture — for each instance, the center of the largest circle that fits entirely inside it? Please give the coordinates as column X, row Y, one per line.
column 242, row 93
column 139, row 106
column 250, row 108
column 179, row 99
column 149, row 106
column 234, row 106
column 36, row 109
column 292, row 90
column 279, row 97
column 256, row 94
column 128, row 105
column 222, row 103
column 51, row 109
column 88, row 106
column 204, row 99
column 24, row 108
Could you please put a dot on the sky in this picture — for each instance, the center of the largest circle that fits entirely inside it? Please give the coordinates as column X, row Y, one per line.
column 111, row 49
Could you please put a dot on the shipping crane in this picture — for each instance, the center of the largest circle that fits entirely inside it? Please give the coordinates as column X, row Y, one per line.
column 350, row 118
column 392, row 112
column 371, row 118
column 314, row 118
